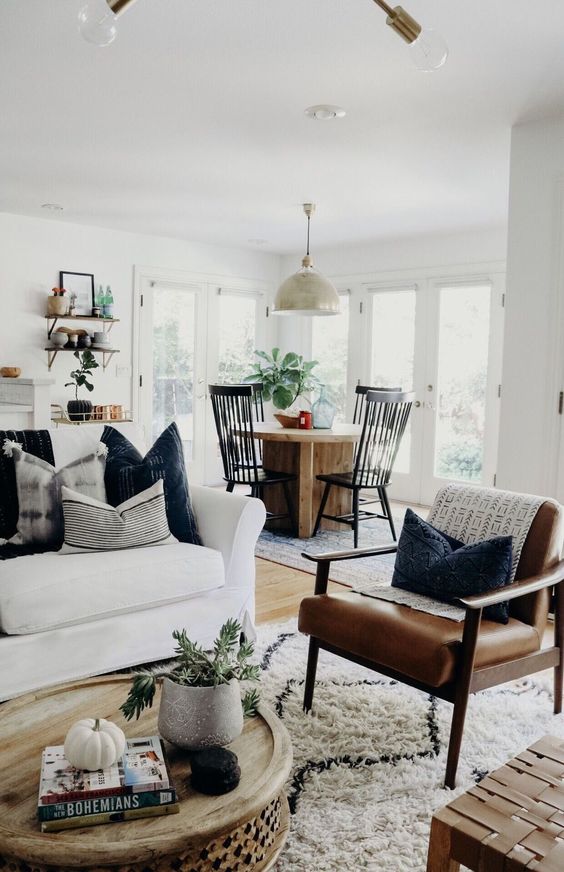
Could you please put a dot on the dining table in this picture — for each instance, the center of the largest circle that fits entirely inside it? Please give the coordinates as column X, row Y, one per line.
column 307, row 454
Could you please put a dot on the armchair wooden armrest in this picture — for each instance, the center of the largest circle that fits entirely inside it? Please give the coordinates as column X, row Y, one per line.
column 330, row 556
column 324, row 561
column 513, row 591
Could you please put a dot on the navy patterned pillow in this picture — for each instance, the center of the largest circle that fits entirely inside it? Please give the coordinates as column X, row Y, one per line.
column 128, row 474
column 431, row 563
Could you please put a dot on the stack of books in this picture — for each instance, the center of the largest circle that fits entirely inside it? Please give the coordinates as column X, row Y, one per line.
column 138, row 785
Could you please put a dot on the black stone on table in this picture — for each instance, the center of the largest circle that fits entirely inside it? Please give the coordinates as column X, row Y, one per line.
column 215, row 771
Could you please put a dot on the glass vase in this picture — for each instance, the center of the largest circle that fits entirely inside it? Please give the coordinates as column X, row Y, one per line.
column 323, row 412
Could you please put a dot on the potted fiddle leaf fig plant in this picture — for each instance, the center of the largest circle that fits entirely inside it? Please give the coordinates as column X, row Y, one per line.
column 284, row 378
column 201, row 704
column 81, row 410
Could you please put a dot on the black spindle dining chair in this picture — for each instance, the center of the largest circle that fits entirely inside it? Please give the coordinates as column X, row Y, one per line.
column 234, row 410
column 386, row 414
column 360, row 397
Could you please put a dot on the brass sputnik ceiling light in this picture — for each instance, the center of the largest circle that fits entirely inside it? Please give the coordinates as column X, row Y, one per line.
column 98, row 24
column 97, row 20
column 427, row 47
column 307, row 292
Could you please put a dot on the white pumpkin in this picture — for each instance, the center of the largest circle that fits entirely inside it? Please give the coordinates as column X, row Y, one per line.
column 94, row 743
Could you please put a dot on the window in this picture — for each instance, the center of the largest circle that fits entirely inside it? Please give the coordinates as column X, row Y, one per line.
column 330, row 346
column 237, row 325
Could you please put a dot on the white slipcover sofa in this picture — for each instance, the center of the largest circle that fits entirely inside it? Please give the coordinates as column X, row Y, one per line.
column 68, row 616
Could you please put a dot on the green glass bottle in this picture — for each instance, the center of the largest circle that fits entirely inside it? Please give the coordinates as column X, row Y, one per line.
column 108, row 303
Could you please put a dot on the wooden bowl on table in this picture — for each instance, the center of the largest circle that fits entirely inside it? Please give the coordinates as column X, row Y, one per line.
column 10, row 372
column 288, row 421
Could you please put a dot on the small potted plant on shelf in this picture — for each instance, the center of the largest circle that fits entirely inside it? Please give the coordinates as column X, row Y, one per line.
column 284, row 378
column 57, row 305
column 80, row 410
column 201, row 703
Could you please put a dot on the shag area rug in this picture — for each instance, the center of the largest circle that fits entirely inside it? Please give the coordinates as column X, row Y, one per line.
column 281, row 548
column 369, row 761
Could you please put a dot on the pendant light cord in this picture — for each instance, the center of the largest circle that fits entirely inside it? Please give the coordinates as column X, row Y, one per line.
column 308, row 220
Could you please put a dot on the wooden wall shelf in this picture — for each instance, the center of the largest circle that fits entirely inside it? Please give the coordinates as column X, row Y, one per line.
column 107, row 322
column 107, row 354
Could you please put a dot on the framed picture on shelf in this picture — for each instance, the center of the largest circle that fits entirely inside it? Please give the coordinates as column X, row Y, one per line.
column 80, row 288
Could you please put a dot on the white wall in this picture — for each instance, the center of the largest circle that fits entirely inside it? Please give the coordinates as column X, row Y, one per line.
column 532, row 367
column 34, row 250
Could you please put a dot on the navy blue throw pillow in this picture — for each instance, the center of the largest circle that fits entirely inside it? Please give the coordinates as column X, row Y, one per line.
column 128, row 474
column 431, row 563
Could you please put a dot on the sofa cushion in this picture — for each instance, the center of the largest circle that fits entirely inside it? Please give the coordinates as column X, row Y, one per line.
column 91, row 525
column 38, row 483
column 36, row 442
column 128, row 473
column 46, row 591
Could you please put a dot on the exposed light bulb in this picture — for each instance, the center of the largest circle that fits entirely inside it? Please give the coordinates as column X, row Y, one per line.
column 429, row 51
column 97, row 23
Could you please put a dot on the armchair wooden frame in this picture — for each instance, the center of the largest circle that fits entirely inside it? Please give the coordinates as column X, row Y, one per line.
column 468, row 678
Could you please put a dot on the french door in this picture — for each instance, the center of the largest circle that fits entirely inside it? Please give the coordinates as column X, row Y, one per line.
column 172, row 365
column 189, row 334
column 442, row 340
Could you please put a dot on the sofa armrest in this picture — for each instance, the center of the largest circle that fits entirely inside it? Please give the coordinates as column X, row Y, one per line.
column 231, row 524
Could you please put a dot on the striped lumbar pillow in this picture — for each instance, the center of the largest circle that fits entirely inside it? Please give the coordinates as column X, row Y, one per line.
column 94, row 526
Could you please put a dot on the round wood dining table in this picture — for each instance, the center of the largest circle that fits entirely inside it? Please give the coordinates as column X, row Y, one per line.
column 306, row 454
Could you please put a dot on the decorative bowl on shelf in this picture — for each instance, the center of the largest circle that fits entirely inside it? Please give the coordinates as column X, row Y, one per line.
column 287, row 421
column 10, row 372
column 59, row 340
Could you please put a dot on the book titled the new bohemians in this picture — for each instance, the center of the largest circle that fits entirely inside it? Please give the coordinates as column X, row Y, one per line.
column 139, row 781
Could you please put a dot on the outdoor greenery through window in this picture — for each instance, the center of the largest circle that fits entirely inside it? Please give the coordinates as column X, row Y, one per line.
column 463, row 368
column 174, row 313
column 393, row 351
column 237, row 320
column 330, row 346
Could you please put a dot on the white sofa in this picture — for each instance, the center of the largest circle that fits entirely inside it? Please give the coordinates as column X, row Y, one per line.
column 68, row 616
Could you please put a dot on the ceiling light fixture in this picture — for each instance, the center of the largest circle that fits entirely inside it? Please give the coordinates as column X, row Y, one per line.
column 427, row 47
column 307, row 292
column 325, row 112
column 97, row 20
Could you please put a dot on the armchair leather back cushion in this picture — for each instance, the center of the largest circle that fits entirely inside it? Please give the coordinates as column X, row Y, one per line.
column 541, row 550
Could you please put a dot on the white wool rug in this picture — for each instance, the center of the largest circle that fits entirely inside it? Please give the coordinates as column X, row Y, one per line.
column 369, row 761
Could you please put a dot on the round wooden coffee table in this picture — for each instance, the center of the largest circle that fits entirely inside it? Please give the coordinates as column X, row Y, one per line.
column 242, row 830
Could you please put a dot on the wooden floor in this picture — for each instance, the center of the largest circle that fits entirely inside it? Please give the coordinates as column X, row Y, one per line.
column 280, row 589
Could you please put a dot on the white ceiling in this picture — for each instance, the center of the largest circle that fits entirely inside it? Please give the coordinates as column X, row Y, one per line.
column 191, row 123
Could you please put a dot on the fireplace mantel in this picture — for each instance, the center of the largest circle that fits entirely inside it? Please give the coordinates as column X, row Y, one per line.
column 25, row 403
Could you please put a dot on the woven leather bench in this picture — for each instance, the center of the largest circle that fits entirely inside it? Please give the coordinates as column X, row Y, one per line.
column 510, row 821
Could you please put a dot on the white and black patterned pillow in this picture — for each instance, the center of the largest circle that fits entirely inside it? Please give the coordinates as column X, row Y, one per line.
column 91, row 525
column 38, row 485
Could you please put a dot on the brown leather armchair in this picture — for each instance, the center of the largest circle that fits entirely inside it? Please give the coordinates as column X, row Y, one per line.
column 448, row 659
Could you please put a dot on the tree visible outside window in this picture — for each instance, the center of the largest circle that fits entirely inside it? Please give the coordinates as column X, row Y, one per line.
column 330, row 346
column 237, row 322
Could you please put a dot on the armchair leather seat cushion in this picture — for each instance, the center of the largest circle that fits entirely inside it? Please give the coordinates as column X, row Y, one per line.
column 422, row 646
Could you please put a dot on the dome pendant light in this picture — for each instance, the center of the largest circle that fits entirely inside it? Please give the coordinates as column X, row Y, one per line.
column 97, row 20
column 307, row 292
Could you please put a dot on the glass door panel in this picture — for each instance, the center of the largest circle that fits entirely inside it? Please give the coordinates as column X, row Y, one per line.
column 462, row 378
column 392, row 327
column 174, row 318
column 171, row 359
column 330, row 346
column 237, row 331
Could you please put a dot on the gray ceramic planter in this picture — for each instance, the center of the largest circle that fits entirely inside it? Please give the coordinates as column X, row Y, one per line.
column 200, row 717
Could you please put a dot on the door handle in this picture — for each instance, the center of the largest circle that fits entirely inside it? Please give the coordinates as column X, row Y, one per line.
column 417, row 404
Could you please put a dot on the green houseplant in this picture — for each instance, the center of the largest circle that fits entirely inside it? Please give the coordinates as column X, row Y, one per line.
column 284, row 378
column 201, row 701
column 80, row 410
